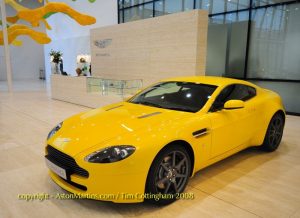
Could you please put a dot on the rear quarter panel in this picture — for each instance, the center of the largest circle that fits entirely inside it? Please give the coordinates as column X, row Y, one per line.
column 266, row 104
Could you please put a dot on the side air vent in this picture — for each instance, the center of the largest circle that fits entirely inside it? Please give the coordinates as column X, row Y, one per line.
column 114, row 107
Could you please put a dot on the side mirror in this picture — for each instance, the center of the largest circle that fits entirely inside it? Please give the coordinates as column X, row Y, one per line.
column 234, row 104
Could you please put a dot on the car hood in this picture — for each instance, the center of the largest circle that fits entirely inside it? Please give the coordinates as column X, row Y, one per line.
column 94, row 127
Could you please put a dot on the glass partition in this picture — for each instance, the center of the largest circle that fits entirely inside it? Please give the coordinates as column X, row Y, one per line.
column 124, row 88
column 226, row 45
column 274, row 43
column 288, row 92
column 136, row 13
column 254, row 40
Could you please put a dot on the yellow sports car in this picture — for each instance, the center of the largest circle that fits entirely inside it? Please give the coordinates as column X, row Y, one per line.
column 148, row 146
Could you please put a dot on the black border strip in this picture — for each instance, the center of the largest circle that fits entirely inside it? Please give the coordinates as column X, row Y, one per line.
column 248, row 40
column 292, row 113
column 254, row 7
column 273, row 80
column 119, row 11
column 140, row 4
column 221, row 13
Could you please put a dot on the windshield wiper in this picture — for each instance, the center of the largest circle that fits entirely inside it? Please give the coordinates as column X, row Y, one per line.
column 181, row 109
column 149, row 104
column 165, row 107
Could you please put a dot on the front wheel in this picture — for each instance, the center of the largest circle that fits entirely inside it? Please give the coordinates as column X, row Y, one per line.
column 168, row 175
column 274, row 133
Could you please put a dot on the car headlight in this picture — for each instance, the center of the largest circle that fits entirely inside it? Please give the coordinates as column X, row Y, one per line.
column 110, row 154
column 54, row 130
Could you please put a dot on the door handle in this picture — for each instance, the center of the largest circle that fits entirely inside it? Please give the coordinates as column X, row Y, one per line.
column 200, row 132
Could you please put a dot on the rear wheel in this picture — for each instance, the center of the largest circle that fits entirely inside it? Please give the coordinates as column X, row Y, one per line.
column 274, row 133
column 168, row 175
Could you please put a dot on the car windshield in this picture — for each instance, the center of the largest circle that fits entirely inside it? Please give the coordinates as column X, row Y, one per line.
column 181, row 96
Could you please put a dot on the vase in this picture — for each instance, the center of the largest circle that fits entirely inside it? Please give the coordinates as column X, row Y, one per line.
column 55, row 68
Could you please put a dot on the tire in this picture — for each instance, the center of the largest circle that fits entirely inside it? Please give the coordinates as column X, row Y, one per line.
column 168, row 176
column 274, row 133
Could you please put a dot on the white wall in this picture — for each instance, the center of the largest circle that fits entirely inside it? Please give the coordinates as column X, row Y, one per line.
column 71, row 38
column 26, row 60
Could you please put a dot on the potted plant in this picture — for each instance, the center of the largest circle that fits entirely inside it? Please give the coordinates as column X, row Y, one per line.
column 56, row 58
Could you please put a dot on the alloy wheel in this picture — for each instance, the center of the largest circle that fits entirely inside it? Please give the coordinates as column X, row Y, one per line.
column 276, row 130
column 172, row 173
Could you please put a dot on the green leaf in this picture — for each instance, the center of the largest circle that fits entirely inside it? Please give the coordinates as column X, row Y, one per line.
column 48, row 15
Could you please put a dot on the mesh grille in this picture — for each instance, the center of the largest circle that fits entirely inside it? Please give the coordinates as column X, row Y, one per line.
column 66, row 161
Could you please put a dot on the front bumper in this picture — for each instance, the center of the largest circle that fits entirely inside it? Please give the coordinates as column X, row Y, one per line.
column 118, row 188
column 122, row 182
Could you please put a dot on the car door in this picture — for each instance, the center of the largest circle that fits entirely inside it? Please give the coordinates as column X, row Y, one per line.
column 231, row 128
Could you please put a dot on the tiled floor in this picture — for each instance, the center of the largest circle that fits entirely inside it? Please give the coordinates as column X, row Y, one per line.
column 248, row 184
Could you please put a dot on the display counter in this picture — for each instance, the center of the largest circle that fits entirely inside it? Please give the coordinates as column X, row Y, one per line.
column 90, row 91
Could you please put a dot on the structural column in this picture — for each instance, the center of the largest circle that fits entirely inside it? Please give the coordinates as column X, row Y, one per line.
column 6, row 47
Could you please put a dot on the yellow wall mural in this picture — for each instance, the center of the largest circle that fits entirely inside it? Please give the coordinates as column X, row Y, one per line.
column 37, row 15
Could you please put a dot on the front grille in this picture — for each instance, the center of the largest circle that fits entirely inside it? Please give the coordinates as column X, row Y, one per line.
column 81, row 187
column 65, row 161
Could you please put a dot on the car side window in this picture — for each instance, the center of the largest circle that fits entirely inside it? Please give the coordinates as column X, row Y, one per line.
column 233, row 92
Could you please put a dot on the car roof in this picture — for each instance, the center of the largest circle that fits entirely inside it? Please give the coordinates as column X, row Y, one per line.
column 212, row 80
